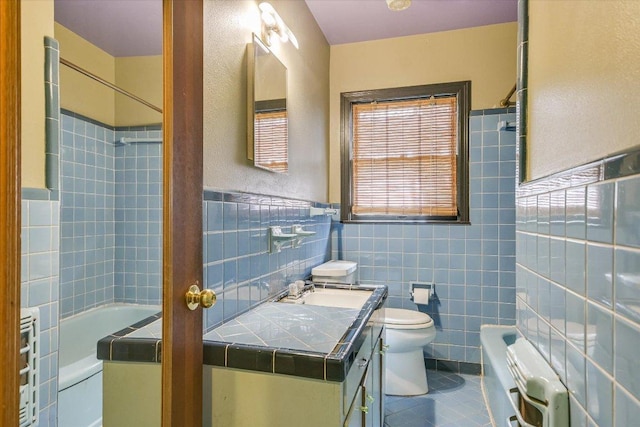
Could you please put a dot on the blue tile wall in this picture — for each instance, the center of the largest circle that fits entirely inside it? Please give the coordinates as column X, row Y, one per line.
column 472, row 266
column 39, row 288
column 237, row 262
column 138, row 217
column 110, row 216
column 87, row 228
column 591, row 332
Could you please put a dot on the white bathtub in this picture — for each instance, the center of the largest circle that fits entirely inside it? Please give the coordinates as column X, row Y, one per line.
column 80, row 373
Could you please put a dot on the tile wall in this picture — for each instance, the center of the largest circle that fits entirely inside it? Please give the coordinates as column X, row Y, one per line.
column 138, row 217
column 39, row 283
column 473, row 266
column 110, row 224
column 578, row 286
column 237, row 262
column 87, row 228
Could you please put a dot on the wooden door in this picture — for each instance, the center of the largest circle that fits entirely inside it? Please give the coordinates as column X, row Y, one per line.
column 182, row 193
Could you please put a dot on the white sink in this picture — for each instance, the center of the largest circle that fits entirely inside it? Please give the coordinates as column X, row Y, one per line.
column 329, row 297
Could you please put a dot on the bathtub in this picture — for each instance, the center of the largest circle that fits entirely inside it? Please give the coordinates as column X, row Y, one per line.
column 80, row 373
column 496, row 379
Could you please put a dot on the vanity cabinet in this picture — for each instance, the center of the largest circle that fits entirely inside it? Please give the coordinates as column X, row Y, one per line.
column 246, row 398
column 367, row 408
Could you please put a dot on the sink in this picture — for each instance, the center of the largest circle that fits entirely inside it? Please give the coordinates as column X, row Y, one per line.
column 330, row 297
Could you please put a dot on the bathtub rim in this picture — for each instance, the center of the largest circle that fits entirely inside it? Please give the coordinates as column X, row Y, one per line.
column 497, row 356
column 84, row 368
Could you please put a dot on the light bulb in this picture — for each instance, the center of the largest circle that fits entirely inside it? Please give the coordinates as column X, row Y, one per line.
column 396, row 5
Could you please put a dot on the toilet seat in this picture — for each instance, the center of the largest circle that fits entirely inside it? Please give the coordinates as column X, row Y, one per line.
column 396, row 318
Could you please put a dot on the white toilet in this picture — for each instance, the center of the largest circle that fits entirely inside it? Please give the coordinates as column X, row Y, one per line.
column 407, row 332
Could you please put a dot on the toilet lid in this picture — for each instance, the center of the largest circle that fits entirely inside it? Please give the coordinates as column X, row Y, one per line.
column 397, row 318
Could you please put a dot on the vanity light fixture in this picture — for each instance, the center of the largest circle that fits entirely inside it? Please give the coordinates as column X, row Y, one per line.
column 397, row 5
column 272, row 23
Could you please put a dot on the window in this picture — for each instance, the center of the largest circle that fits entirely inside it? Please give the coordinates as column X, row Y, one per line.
column 270, row 135
column 405, row 155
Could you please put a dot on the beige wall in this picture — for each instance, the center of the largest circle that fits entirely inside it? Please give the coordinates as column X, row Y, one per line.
column 484, row 55
column 584, row 70
column 228, row 28
column 142, row 76
column 36, row 22
column 79, row 93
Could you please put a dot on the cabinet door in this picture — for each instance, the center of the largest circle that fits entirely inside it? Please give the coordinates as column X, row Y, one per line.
column 355, row 417
column 368, row 399
column 377, row 385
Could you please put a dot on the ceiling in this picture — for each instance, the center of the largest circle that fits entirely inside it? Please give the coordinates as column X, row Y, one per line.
column 349, row 21
column 119, row 27
column 134, row 27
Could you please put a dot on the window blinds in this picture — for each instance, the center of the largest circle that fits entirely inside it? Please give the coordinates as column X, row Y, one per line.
column 404, row 157
column 270, row 133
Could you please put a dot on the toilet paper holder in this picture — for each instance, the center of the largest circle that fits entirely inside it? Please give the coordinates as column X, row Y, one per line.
column 421, row 293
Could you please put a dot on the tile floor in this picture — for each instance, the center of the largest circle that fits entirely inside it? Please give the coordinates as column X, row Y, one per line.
column 454, row 400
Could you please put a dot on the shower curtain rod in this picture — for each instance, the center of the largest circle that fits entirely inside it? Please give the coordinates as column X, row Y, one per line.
column 110, row 85
column 505, row 102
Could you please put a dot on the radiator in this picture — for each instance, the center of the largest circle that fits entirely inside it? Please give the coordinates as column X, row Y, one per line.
column 29, row 366
column 539, row 398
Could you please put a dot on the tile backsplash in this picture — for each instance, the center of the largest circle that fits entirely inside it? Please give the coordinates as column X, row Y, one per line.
column 237, row 262
column 578, row 287
column 472, row 266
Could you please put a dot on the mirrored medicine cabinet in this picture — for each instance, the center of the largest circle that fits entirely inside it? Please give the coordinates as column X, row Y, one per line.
column 267, row 120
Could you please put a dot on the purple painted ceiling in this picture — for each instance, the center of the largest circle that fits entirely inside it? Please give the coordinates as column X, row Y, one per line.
column 349, row 21
column 134, row 27
column 119, row 27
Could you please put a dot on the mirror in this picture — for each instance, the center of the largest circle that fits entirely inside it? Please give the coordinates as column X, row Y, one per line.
column 267, row 121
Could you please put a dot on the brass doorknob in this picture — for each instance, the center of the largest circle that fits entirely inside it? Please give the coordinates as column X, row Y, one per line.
column 195, row 297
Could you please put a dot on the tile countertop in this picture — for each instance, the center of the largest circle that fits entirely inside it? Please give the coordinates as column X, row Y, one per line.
column 302, row 340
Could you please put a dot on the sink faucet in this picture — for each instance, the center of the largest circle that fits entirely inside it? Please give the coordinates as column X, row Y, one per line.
column 294, row 292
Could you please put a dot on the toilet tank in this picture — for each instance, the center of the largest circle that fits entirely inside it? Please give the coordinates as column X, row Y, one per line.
column 335, row 271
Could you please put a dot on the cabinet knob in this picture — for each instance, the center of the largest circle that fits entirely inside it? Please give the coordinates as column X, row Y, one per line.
column 364, row 409
column 370, row 398
column 362, row 363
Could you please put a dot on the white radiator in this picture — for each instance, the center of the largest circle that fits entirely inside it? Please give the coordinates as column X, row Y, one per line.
column 29, row 366
column 539, row 398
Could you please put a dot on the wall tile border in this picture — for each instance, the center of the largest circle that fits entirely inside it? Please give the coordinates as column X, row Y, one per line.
column 261, row 199
column 150, row 127
column 490, row 111
column 52, row 115
column 618, row 165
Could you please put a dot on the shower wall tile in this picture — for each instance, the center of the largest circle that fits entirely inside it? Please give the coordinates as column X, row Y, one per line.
column 138, row 216
column 473, row 267
column 110, row 215
column 40, row 288
column 594, row 340
column 86, row 195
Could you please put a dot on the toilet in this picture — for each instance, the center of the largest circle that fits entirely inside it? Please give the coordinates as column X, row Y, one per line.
column 407, row 332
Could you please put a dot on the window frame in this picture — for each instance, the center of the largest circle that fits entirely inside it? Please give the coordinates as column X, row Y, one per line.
column 462, row 91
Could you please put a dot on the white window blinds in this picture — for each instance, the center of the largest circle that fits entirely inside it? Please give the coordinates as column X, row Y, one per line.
column 270, row 133
column 404, row 157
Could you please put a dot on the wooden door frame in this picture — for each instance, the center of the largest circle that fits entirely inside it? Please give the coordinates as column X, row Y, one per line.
column 9, row 210
column 182, row 230
column 182, row 247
